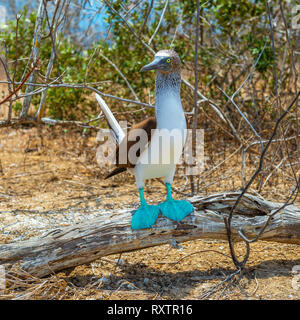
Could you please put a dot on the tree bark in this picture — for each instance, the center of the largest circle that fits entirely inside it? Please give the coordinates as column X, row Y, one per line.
column 35, row 52
column 85, row 242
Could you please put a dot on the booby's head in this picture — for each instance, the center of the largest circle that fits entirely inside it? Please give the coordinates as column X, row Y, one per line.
column 165, row 61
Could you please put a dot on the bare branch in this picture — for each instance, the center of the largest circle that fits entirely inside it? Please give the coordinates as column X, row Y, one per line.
column 228, row 220
column 121, row 74
column 21, row 84
column 159, row 23
column 34, row 52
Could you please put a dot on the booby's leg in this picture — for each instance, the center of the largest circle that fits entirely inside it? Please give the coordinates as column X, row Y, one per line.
column 175, row 209
column 146, row 214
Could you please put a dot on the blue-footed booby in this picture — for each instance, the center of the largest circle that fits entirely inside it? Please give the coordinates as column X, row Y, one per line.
column 165, row 137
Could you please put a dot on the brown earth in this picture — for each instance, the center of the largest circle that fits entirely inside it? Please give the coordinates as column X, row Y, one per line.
column 50, row 177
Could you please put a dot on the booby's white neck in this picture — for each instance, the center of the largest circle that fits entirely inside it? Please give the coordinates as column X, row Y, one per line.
column 168, row 108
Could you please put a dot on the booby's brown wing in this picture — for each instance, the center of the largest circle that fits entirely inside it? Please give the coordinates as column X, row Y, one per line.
column 147, row 125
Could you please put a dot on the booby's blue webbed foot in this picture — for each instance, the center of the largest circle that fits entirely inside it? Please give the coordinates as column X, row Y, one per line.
column 146, row 214
column 144, row 217
column 175, row 209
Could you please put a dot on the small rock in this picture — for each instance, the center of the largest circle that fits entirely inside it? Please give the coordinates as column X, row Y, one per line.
column 119, row 261
column 129, row 286
column 104, row 279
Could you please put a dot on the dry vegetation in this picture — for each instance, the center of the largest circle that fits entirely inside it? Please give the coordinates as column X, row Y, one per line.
column 50, row 177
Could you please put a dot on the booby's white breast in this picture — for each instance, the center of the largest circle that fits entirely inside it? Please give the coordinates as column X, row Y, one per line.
column 165, row 149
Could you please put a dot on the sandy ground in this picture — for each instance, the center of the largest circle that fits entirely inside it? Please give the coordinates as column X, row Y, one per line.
column 49, row 177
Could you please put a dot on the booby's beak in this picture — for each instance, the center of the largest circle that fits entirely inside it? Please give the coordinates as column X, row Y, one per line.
column 157, row 63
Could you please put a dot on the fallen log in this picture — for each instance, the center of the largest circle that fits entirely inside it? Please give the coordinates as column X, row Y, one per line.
column 83, row 243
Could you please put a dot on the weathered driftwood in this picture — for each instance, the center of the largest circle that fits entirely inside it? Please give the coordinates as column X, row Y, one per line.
column 85, row 242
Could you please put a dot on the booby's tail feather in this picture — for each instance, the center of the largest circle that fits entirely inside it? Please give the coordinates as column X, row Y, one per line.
column 115, row 171
column 118, row 132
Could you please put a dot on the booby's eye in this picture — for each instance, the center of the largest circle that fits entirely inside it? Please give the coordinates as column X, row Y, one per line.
column 168, row 60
